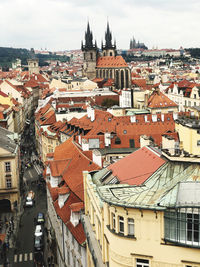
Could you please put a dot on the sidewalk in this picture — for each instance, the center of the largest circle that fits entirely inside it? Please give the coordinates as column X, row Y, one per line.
column 10, row 227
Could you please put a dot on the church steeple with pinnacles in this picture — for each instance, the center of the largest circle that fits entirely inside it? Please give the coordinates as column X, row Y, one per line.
column 88, row 40
column 108, row 49
column 90, row 54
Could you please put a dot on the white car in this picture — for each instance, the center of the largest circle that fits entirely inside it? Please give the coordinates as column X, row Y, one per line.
column 30, row 199
column 38, row 230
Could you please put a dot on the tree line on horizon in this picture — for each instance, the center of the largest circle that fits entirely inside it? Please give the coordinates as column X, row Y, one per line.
column 8, row 55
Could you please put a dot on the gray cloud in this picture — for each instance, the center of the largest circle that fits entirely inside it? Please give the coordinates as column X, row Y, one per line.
column 60, row 24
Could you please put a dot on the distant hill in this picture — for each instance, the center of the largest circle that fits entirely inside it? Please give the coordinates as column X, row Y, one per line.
column 9, row 55
column 194, row 52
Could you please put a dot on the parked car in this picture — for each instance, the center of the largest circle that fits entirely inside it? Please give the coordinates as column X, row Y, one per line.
column 30, row 199
column 38, row 230
column 39, row 243
column 40, row 218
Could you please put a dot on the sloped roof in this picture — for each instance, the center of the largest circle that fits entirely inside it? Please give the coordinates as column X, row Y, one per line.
column 65, row 212
column 159, row 100
column 111, row 62
column 130, row 169
column 160, row 191
column 72, row 175
column 139, row 82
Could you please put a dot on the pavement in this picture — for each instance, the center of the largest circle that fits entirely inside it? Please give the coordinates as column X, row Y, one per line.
column 10, row 226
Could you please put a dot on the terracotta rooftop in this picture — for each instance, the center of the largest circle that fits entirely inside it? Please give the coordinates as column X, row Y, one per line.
column 132, row 170
column 111, row 62
column 75, row 207
column 159, row 100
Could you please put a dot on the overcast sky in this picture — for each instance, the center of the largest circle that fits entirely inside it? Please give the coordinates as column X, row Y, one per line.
column 60, row 24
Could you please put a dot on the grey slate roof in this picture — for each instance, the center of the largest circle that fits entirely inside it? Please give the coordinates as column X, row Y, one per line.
column 7, row 140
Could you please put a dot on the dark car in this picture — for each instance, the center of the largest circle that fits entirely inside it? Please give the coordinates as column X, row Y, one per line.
column 40, row 218
column 39, row 243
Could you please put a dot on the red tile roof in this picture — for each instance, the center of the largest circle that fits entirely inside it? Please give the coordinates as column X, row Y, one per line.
column 75, row 207
column 111, row 62
column 132, row 170
column 63, row 190
column 57, row 166
column 74, row 157
column 77, row 232
column 3, row 94
column 65, row 212
column 159, row 100
column 1, row 115
column 139, row 82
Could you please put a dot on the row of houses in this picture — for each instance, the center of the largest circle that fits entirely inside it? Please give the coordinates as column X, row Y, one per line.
column 101, row 202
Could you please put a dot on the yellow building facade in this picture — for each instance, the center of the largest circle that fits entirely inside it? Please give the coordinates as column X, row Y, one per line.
column 9, row 171
column 189, row 135
column 122, row 231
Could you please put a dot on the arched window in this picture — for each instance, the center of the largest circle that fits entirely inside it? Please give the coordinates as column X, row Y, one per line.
column 91, row 56
column 127, row 78
column 111, row 74
column 103, row 74
column 111, row 54
column 122, row 79
column 100, row 73
column 117, row 141
column 117, row 79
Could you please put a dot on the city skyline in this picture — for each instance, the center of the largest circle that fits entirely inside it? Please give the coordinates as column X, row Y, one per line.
column 60, row 24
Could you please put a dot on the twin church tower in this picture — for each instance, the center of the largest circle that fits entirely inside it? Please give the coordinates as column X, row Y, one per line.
column 105, row 64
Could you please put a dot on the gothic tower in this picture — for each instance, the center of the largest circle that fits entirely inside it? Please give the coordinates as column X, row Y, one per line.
column 90, row 55
column 108, row 49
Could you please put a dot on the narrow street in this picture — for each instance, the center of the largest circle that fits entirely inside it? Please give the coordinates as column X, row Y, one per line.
column 21, row 251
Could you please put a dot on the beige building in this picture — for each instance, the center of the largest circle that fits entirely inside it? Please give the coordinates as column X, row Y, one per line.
column 143, row 211
column 9, row 170
column 73, row 84
column 21, row 95
column 189, row 135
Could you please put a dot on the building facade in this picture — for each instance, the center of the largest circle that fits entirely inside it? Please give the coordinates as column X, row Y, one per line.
column 148, row 219
column 9, row 171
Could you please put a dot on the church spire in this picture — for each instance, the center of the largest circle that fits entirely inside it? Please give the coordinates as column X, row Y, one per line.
column 108, row 38
column 88, row 39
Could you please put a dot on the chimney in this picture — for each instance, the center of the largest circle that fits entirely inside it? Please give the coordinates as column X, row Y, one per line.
column 146, row 100
column 92, row 114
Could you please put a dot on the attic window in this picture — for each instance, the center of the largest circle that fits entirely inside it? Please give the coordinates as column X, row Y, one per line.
column 105, row 175
column 109, row 119
column 168, row 119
